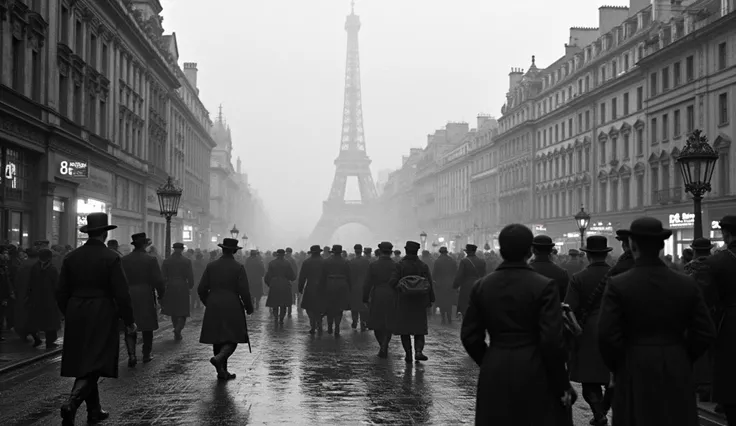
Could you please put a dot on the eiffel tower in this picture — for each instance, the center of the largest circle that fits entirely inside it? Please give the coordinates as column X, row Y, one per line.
column 352, row 161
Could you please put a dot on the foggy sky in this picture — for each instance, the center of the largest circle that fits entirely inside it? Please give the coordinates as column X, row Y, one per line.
column 278, row 68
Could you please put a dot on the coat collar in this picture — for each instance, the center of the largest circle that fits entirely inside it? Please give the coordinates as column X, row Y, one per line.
column 513, row 265
column 645, row 261
column 598, row 263
column 94, row 242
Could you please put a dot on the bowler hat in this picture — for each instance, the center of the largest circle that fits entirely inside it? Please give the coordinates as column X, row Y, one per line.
column 140, row 237
column 573, row 253
column 443, row 249
column 471, row 247
column 358, row 247
column 337, row 248
column 315, row 249
column 649, row 228
column 542, row 241
column 96, row 222
column 178, row 246
column 229, row 243
column 596, row 244
column 728, row 221
column 701, row 244
column 412, row 246
column 385, row 246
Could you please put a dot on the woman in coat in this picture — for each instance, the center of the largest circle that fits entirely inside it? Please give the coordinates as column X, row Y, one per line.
column 411, row 310
column 336, row 284
column 381, row 297
column 278, row 278
column 41, row 301
column 225, row 294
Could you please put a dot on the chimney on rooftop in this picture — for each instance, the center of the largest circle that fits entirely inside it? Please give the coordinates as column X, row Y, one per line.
column 190, row 71
column 609, row 17
column 515, row 77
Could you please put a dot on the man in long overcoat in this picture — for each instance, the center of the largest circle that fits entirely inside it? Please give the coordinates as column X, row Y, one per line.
column 199, row 264
column 92, row 295
column 310, row 288
column 21, row 314
column 542, row 263
column 358, row 269
column 225, row 293
column 522, row 371
column 380, row 297
column 178, row 276
column 256, row 270
column 294, row 287
column 278, row 278
column 444, row 271
column 144, row 282
column 470, row 269
column 41, row 300
column 411, row 309
column 653, row 325
column 336, row 286
column 574, row 264
column 586, row 364
column 722, row 272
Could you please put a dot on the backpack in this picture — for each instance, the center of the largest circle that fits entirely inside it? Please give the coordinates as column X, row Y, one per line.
column 413, row 285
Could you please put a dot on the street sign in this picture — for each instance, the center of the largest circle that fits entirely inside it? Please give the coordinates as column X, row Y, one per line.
column 74, row 169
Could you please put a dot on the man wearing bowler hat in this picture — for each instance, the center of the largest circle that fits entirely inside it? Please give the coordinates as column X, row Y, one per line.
column 542, row 263
column 145, row 283
column 336, row 282
column 311, row 289
column 278, row 278
column 178, row 276
column 470, row 269
column 653, row 325
column 92, row 294
column 380, row 297
column 586, row 364
column 722, row 272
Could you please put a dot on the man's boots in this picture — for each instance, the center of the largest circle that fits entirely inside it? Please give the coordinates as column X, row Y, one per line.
column 95, row 413
column 76, row 397
column 406, row 343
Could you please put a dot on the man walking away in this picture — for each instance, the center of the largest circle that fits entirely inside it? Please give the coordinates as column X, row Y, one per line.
column 278, row 278
column 444, row 271
column 358, row 269
column 380, row 297
column 179, row 278
column 311, row 289
column 256, row 270
column 92, row 295
column 542, row 248
column 45, row 317
column 470, row 269
column 336, row 281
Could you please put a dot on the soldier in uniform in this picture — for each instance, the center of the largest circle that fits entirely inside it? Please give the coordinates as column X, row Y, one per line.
column 444, row 271
column 653, row 325
column 145, row 283
column 294, row 287
column 586, row 365
column 542, row 263
column 256, row 270
column 311, row 289
column 336, row 284
column 179, row 278
column 470, row 269
column 278, row 278
column 358, row 269
column 225, row 293
column 380, row 297
column 92, row 295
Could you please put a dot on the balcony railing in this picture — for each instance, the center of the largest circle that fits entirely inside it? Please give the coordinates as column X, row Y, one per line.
column 666, row 196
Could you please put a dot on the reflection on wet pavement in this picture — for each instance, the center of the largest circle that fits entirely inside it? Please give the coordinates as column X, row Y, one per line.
column 290, row 378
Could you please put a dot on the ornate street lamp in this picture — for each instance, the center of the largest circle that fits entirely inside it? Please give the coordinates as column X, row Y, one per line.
column 234, row 232
column 697, row 162
column 168, row 200
column 245, row 241
column 423, row 239
column 582, row 219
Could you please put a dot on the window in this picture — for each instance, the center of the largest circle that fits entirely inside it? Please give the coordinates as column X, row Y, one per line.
column 64, row 95
column 614, row 195
column 78, row 102
column 580, row 161
column 614, row 69
column 655, row 180
column 64, row 25
column 580, row 86
column 603, row 196
column 625, row 187
column 587, row 120
column 603, row 74
column 653, row 85
column 723, row 166
column 105, row 60
column 614, row 109
column 654, row 131
column 690, row 118
column 587, row 159
column 35, row 77
column 626, row 103
column 580, row 122
column 614, row 147
column 603, row 113
column 603, row 152
column 639, row 98
column 79, row 39
column 17, row 63
column 626, row 145
column 665, row 79
column 626, row 62
column 587, row 83
column 562, row 129
column 569, row 128
column 690, row 68
column 640, row 141
column 103, row 119
column 676, row 118
column 93, row 51
column 665, row 127
column 722, row 109
column 640, row 191
column 722, row 56
column 557, row 133
column 676, row 73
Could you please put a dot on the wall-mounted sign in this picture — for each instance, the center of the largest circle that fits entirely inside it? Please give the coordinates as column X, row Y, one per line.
column 539, row 228
column 74, row 169
column 715, row 225
column 682, row 220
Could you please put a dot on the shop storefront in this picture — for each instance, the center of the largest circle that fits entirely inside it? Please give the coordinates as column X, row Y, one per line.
column 716, row 212
column 17, row 182
column 682, row 225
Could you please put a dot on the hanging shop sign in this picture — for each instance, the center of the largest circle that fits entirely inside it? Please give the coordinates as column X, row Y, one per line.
column 73, row 169
column 682, row 220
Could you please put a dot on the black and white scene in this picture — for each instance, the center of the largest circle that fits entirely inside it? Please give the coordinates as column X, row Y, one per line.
column 368, row 212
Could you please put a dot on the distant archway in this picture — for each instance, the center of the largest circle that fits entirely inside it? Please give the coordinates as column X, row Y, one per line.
column 352, row 233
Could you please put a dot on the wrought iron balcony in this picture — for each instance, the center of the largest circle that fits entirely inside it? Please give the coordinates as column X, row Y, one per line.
column 666, row 196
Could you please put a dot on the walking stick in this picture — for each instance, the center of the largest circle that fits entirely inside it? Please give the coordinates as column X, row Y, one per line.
column 248, row 334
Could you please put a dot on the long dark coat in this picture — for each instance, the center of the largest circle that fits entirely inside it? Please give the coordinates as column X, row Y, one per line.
column 256, row 270
column 699, row 269
column 41, row 303
column 379, row 295
column 522, row 371
column 573, row 266
column 586, row 364
column 444, row 271
column 470, row 269
column 295, row 267
column 723, row 293
column 653, row 325
column 358, row 269
column 310, row 285
column 411, row 311
column 92, row 295
column 544, row 265
column 224, row 292
column 336, row 284
column 278, row 278
column 144, row 277
column 178, row 275
column 21, row 314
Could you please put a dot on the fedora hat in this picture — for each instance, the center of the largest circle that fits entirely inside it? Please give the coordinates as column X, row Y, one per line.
column 412, row 246
column 336, row 249
column 230, row 243
column 140, row 237
column 701, row 244
column 649, row 228
column 96, row 222
column 596, row 244
column 471, row 247
column 280, row 252
column 542, row 241
column 315, row 249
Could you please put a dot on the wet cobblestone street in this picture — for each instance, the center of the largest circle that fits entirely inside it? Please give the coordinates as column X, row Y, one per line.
column 290, row 378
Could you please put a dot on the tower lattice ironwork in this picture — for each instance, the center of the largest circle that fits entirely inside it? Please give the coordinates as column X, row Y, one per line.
column 352, row 160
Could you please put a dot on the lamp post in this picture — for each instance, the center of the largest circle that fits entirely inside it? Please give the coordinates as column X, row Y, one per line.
column 245, row 241
column 582, row 219
column 697, row 162
column 423, row 239
column 168, row 200
column 234, row 232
